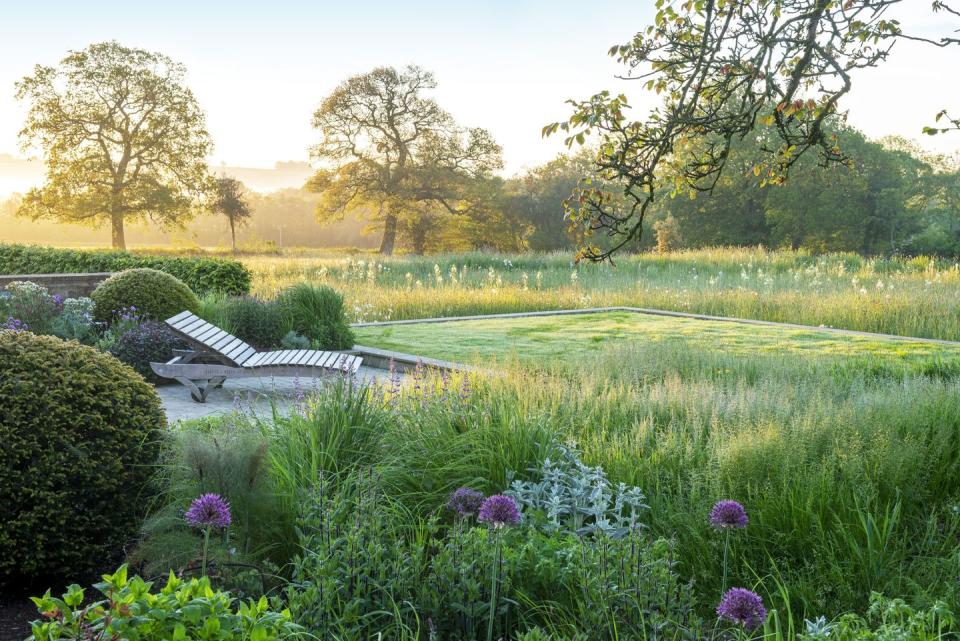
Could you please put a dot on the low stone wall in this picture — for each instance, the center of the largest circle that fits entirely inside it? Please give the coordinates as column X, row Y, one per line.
column 66, row 285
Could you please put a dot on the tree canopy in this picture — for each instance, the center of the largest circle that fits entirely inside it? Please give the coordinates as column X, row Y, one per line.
column 122, row 138
column 230, row 200
column 387, row 146
column 725, row 69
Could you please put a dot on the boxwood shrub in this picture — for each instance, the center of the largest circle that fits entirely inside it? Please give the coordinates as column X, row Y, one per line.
column 79, row 439
column 202, row 275
column 155, row 295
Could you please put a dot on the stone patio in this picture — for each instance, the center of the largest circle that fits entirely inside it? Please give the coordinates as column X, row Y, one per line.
column 258, row 394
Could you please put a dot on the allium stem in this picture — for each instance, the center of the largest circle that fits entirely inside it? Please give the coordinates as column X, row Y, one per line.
column 726, row 548
column 493, row 586
column 206, row 544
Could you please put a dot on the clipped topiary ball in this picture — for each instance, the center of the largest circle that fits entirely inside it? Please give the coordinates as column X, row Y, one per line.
column 79, row 439
column 155, row 295
column 151, row 342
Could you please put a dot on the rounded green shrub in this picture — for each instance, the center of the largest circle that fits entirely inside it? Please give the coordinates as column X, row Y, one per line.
column 79, row 439
column 150, row 342
column 154, row 294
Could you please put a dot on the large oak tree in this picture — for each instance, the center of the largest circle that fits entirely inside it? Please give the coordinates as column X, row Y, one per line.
column 122, row 137
column 386, row 146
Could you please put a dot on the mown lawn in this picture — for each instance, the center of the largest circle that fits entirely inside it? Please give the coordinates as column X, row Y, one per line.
column 571, row 338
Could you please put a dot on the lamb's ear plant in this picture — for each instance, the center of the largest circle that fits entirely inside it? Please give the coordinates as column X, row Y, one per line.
column 568, row 495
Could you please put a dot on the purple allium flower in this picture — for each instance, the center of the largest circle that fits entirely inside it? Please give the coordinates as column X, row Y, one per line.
column 465, row 501
column 742, row 607
column 499, row 510
column 728, row 514
column 209, row 510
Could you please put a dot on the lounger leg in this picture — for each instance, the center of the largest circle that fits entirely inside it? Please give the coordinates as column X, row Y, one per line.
column 198, row 395
column 199, row 392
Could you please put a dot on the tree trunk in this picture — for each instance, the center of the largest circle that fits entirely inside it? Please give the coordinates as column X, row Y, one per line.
column 233, row 236
column 419, row 241
column 116, row 223
column 389, row 234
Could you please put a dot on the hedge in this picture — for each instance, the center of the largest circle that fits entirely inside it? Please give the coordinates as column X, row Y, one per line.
column 202, row 275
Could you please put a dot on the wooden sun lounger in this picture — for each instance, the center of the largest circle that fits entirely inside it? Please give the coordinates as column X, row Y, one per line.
column 216, row 355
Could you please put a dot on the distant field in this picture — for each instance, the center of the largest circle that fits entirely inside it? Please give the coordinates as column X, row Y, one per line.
column 571, row 338
column 909, row 297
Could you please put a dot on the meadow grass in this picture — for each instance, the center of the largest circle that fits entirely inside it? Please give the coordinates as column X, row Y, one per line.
column 541, row 339
column 910, row 297
column 849, row 474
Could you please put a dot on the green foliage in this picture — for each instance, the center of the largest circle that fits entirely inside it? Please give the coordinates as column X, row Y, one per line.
column 258, row 322
column 29, row 303
column 566, row 495
column 153, row 294
column 80, row 434
column 293, row 340
column 202, row 275
column 368, row 566
column 150, row 342
column 317, row 313
column 75, row 321
column 179, row 611
column 227, row 456
column 264, row 466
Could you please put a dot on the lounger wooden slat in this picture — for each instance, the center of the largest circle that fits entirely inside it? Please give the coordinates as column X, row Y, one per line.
column 246, row 355
column 235, row 353
column 233, row 358
column 254, row 360
column 190, row 324
column 198, row 330
column 179, row 317
column 210, row 332
column 271, row 358
column 330, row 359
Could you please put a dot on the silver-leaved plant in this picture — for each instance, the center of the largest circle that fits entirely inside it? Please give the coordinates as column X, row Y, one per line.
column 572, row 496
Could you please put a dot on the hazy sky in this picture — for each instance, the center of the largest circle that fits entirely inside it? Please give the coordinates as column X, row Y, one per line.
column 259, row 69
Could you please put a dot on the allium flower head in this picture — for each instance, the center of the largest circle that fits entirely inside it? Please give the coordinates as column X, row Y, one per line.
column 728, row 514
column 209, row 510
column 742, row 607
column 499, row 510
column 465, row 501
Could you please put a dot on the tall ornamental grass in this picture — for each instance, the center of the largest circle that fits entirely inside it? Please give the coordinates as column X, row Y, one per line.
column 915, row 297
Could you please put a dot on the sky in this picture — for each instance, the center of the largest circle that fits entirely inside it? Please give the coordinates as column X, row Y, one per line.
column 260, row 69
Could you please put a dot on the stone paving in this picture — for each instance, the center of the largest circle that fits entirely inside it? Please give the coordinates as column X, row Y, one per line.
column 259, row 394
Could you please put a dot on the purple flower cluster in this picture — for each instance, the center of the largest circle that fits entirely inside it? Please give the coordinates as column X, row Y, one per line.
column 498, row 511
column 742, row 607
column 15, row 325
column 209, row 510
column 465, row 501
column 727, row 515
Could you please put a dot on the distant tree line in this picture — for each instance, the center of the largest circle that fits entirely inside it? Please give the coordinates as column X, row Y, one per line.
column 124, row 141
